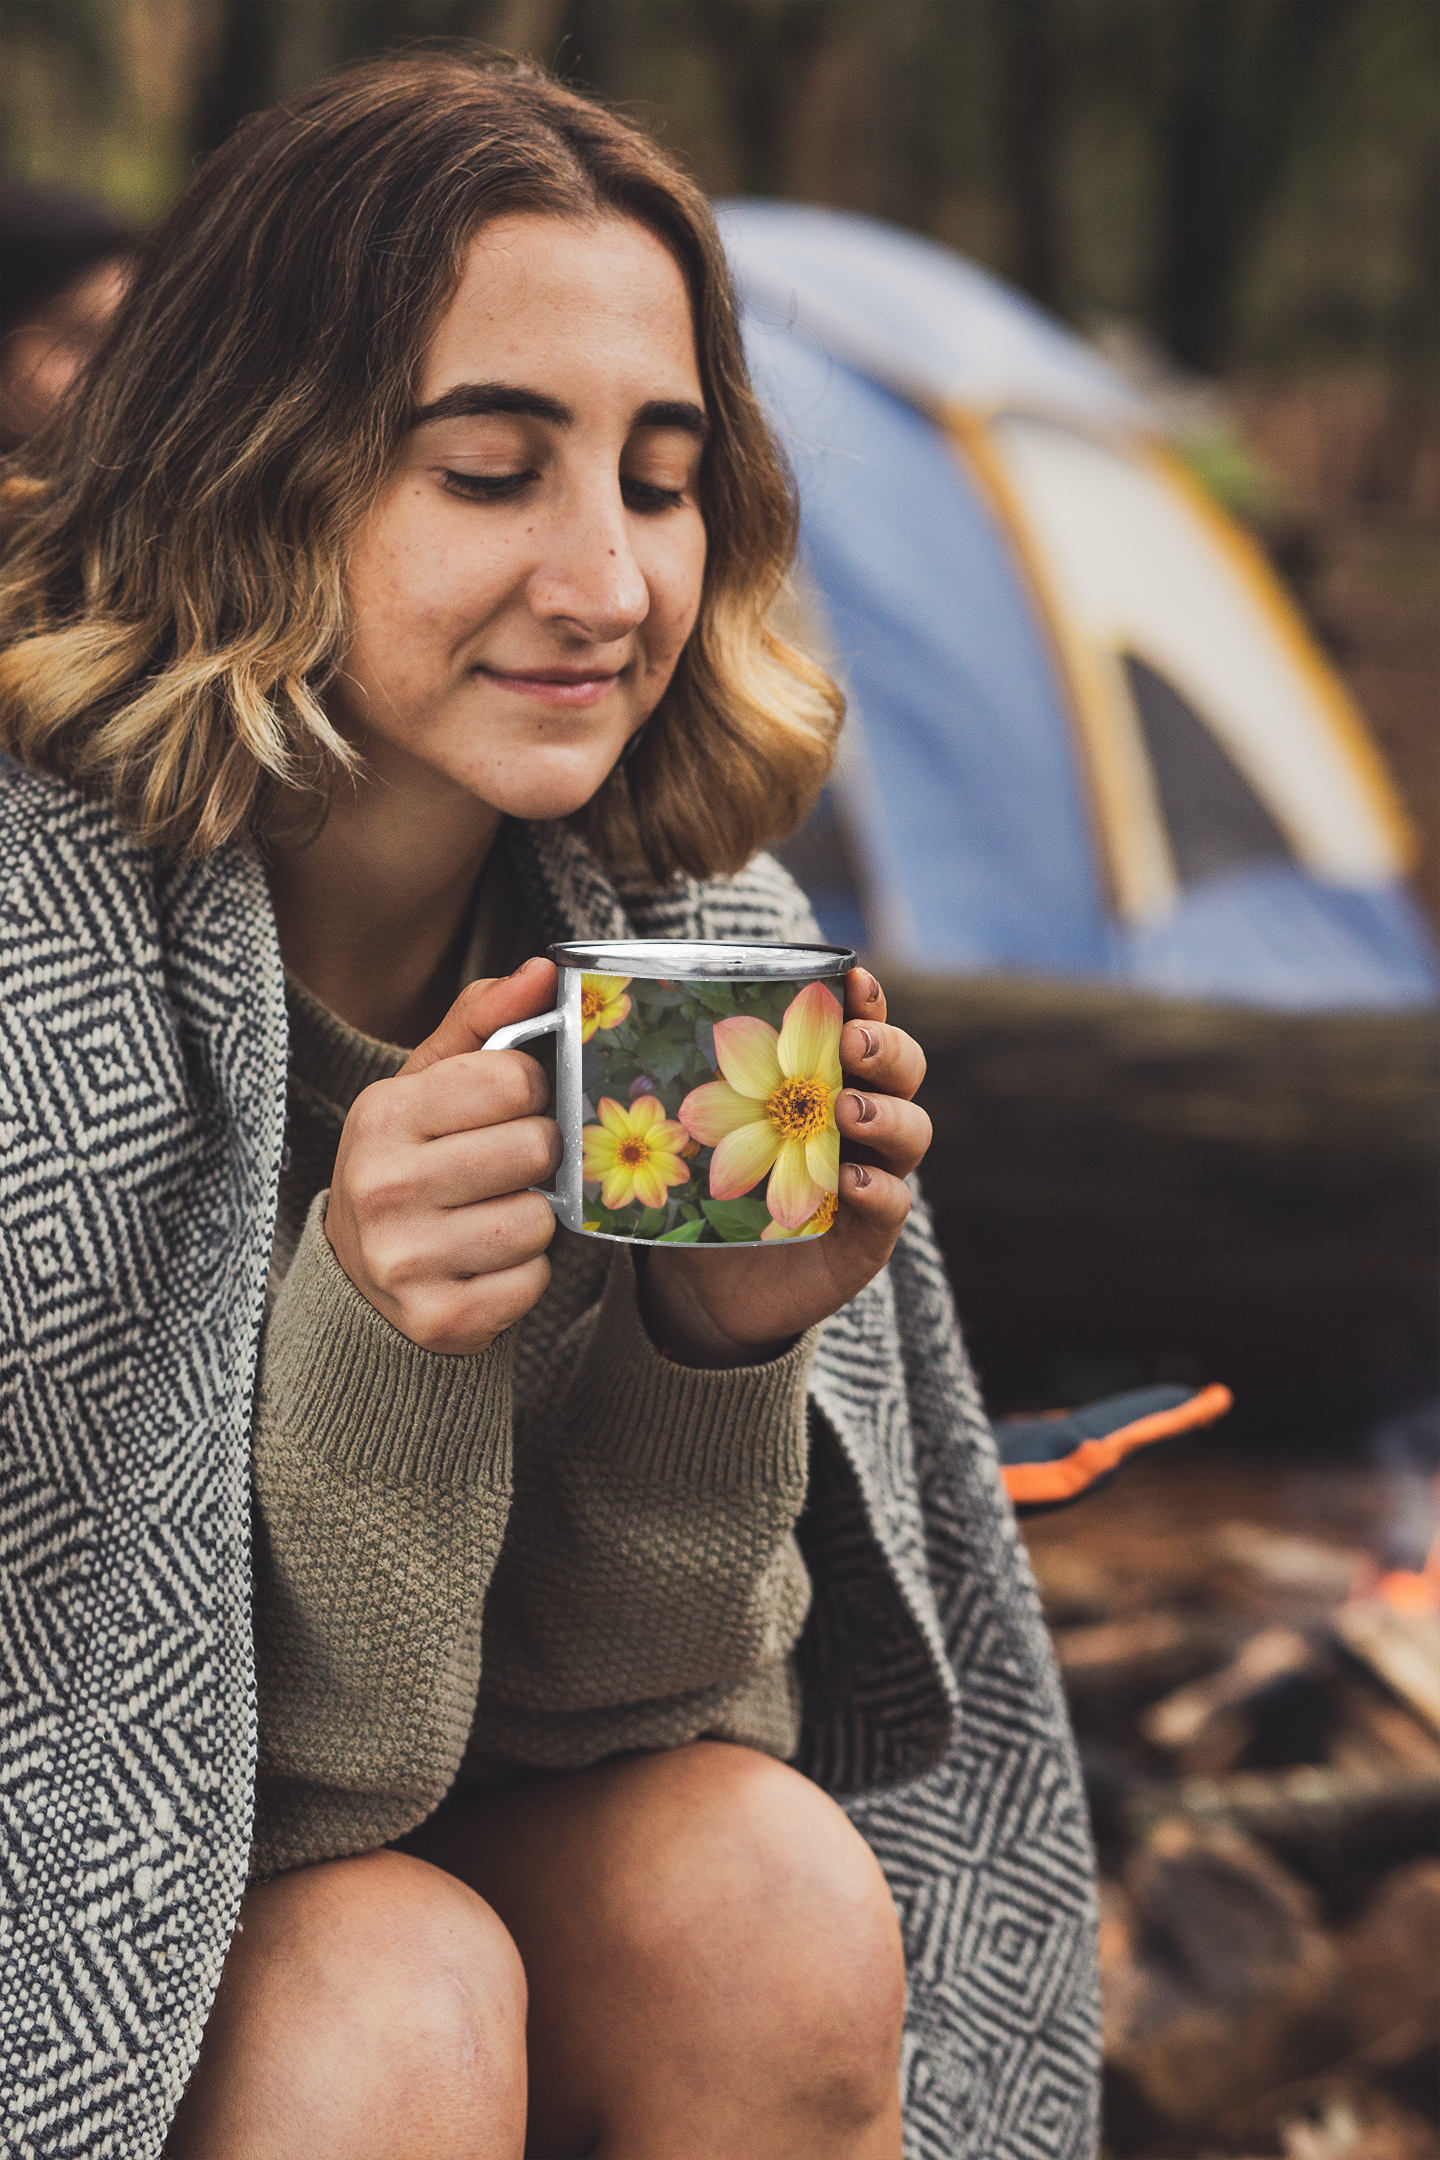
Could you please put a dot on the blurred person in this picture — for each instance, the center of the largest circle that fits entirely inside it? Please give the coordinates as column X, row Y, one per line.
column 64, row 265
column 631, row 1706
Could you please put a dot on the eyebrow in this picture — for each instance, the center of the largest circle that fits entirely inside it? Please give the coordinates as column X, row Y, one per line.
column 470, row 401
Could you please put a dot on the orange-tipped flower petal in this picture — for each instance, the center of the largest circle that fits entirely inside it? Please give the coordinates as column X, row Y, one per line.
column 792, row 1195
column 809, row 1044
column 747, row 1052
column 822, row 1159
column 819, row 1222
column 742, row 1159
column 709, row 1112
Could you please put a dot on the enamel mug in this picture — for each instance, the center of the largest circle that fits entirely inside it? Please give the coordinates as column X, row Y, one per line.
column 695, row 1089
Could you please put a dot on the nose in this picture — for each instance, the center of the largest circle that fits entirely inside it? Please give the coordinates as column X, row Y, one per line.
column 588, row 576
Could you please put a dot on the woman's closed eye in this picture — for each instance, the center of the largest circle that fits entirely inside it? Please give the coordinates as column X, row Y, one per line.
column 648, row 495
column 487, row 487
column 645, row 496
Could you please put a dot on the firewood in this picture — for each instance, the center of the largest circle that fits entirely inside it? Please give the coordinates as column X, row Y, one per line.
column 1298, row 1566
column 1218, row 1981
column 1312, row 1809
column 1120, row 1664
column 1271, row 1691
column 1372, row 1731
column 1402, row 1648
column 1391, row 1957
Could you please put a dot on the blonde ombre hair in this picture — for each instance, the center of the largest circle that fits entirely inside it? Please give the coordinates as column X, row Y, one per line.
column 172, row 587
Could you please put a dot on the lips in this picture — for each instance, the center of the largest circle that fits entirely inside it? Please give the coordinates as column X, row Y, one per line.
column 555, row 686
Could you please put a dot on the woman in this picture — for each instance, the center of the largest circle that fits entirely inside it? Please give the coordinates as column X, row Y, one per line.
column 393, row 602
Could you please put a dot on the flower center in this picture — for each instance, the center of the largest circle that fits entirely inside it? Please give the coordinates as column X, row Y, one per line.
column 825, row 1214
column 632, row 1152
column 591, row 1002
column 799, row 1109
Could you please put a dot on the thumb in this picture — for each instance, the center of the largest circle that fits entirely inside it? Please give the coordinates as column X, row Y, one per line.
column 484, row 1007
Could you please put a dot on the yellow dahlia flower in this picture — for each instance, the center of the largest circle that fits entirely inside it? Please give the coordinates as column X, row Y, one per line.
column 824, row 1215
column 774, row 1109
column 603, row 1003
column 633, row 1153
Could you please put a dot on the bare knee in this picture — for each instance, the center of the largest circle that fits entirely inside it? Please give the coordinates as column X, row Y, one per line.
column 755, row 1880
column 377, row 1984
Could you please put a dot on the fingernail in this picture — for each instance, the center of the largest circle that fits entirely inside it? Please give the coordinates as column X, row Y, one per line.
column 869, row 1041
column 869, row 988
column 864, row 1108
column 859, row 1176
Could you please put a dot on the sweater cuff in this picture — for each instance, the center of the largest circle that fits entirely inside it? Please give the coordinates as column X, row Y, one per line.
column 715, row 1431
column 360, row 1394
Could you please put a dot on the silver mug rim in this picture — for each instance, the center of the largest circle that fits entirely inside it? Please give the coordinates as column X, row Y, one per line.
column 704, row 960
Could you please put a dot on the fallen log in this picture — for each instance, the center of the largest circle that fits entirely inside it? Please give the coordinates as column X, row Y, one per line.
column 1401, row 1648
column 1131, row 1176
column 1218, row 1980
column 1116, row 1665
column 1273, row 1694
column 1331, row 1817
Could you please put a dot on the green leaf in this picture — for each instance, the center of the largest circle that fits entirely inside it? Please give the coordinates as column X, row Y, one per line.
column 685, row 1233
column 716, row 997
column 662, row 1060
column 689, row 1213
column 651, row 1223
column 739, row 1222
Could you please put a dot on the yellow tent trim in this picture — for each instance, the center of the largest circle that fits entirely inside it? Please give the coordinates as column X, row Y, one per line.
column 1132, row 845
column 1339, row 709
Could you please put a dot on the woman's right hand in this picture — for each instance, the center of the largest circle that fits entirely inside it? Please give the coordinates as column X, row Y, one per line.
column 429, row 1214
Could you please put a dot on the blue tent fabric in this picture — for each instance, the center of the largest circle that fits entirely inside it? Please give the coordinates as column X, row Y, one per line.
column 976, row 825
column 968, row 737
column 1272, row 935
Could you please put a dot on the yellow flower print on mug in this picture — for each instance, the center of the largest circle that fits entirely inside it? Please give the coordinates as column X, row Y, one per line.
column 774, row 1108
column 603, row 1003
column 819, row 1222
column 634, row 1153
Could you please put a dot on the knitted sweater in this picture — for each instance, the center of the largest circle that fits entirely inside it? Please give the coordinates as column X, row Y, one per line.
column 649, row 1588
column 142, row 1108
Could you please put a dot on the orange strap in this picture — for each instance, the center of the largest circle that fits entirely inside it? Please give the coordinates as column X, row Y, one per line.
column 1033, row 1483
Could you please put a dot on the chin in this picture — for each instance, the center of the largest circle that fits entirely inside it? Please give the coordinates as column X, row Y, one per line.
column 544, row 787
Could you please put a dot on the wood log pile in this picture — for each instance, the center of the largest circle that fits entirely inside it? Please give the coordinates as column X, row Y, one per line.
column 1260, row 1734
column 1182, row 1191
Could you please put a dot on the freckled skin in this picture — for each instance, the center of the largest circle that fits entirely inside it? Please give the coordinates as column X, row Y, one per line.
column 450, row 592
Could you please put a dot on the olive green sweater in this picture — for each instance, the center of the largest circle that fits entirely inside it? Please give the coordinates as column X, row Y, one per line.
column 562, row 1548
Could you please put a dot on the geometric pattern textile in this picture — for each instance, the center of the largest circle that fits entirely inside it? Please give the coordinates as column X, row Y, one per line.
column 142, row 1100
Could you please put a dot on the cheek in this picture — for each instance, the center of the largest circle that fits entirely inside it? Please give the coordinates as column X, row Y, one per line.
column 676, row 579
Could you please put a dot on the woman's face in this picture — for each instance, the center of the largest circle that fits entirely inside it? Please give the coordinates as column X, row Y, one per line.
column 523, row 586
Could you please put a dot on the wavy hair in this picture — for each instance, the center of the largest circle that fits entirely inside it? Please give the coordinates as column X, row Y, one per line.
column 172, row 584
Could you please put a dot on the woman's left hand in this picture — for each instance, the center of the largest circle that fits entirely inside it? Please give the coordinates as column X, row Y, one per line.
column 738, row 1307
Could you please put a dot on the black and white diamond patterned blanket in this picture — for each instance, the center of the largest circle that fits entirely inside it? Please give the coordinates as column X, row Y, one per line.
column 142, row 1088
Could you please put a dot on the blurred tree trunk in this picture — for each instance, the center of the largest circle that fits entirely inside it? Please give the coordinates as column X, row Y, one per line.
column 1240, row 75
column 243, row 75
column 1029, row 146
column 761, row 52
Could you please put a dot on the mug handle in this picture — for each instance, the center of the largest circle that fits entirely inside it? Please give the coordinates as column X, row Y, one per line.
column 567, row 1198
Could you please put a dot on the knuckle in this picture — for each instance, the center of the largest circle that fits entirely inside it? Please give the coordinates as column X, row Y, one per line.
column 537, row 1222
column 543, row 1148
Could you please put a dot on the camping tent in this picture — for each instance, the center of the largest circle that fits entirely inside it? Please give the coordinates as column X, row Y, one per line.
column 1089, row 734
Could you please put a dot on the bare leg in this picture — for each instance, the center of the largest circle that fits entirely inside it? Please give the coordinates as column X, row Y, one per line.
column 713, row 1958
column 370, row 2009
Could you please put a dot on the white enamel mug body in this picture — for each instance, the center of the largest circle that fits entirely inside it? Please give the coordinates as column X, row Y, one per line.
column 695, row 1089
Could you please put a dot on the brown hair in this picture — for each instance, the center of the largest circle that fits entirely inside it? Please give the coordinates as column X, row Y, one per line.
column 172, row 598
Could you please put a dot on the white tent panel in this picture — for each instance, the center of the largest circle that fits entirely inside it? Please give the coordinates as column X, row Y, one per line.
column 1138, row 569
column 911, row 315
